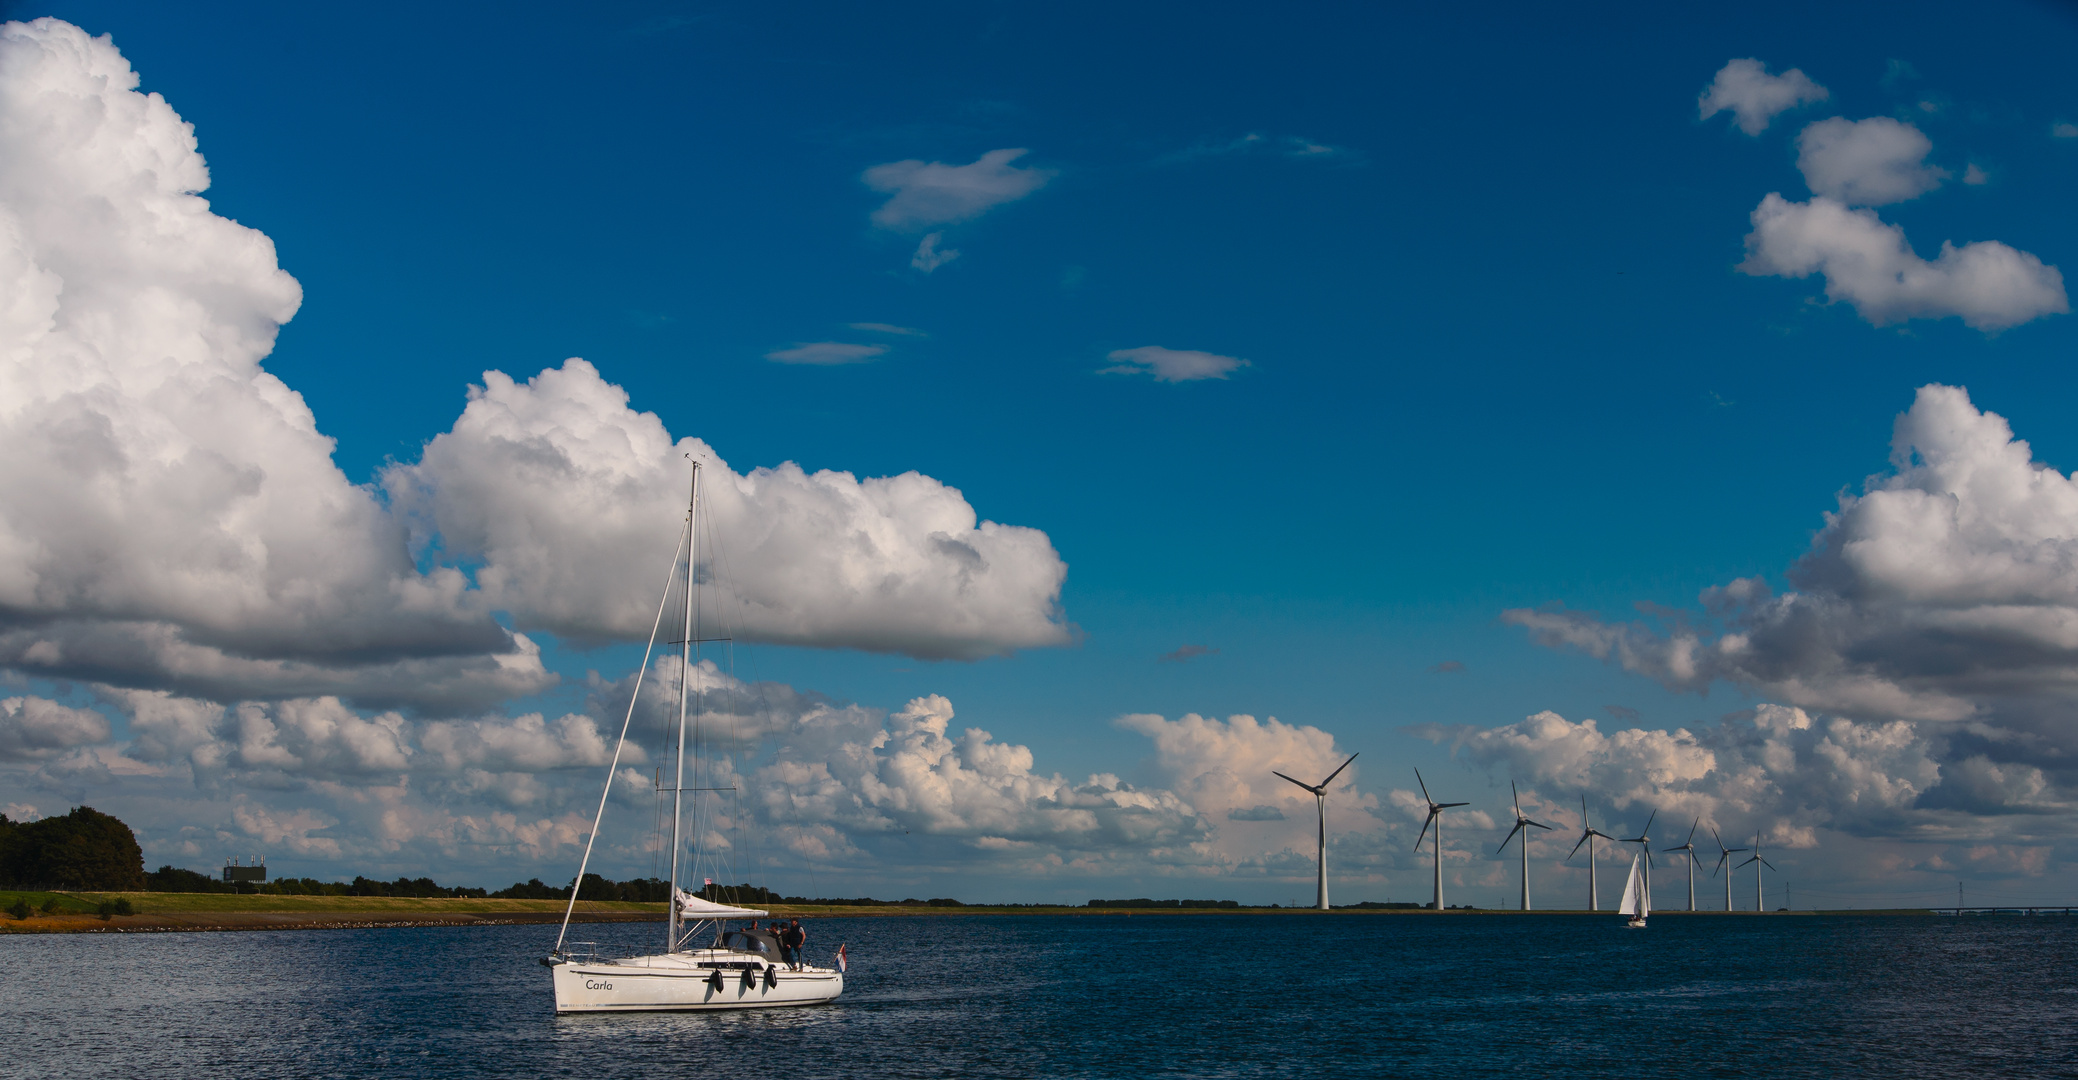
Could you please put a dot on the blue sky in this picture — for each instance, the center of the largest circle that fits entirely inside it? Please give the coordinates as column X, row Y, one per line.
column 1481, row 267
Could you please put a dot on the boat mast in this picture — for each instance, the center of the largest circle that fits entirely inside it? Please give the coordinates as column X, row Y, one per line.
column 685, row 655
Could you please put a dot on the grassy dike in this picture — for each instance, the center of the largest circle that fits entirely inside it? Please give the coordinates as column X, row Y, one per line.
column 156, row 911
column 79, row 912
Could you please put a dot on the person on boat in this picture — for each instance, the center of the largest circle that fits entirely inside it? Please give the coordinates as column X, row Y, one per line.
column 791, row 941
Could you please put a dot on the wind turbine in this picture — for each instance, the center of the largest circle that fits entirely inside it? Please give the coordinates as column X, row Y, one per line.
column 1644, row 842
column 1587, row 836
column 1758, row 905
column 1435, row 818
column 1522, row 825
column 1724, row 853
column 1320, row 804
column 1689, row 846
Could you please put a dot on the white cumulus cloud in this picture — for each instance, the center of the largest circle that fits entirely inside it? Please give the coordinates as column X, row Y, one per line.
column 1868, row 264
column 928, row 194
column 567, row 497
column 1944, row 593
column 170, row 510
column 1867, row 162
column 1226, row 770
column 172, row 520
column 529, row 743
column 33, row 728
column 1773, row 769
column 1172, row 365
column 866, row 778
column 1754, row 97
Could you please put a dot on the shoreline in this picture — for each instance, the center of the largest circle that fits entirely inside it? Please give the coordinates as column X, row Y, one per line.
column 223, row 912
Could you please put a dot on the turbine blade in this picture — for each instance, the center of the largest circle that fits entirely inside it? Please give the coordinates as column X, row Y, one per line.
column 1307, row 786
column 1714, row 836
column 1537, row 824
column 1648, row 823
column 1576, row 848
column 1512, row 790
column 1424, row 830
column 1692, row 829
column 1426, row 797
column 1448, row 805
column 1510, row 836
column 1337, row 772
column 1767, row 864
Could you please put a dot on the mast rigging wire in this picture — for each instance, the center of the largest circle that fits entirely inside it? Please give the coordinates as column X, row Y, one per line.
column 614, row 766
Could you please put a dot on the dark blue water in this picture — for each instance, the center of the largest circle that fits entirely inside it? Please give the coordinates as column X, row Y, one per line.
column 986, row 996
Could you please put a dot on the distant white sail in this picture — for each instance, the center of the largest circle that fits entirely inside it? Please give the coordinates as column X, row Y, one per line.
column 1634, row 889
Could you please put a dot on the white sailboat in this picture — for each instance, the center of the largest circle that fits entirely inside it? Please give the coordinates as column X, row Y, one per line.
column 1637, row 895
column 705, row 964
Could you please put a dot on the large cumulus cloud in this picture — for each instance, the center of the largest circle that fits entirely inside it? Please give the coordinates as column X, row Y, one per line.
column 1945, row 593
column 170, row 512
column 559, row 487
column 171, row 518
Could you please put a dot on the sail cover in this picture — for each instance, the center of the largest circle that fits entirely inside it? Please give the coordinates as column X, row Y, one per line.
column 1632, row 891
column 698, row 908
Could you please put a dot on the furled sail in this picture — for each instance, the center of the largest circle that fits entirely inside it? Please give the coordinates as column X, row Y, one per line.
column 699, row 908
column 1633, row 889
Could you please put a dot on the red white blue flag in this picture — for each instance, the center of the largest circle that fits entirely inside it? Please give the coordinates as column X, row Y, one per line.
column 841, row 966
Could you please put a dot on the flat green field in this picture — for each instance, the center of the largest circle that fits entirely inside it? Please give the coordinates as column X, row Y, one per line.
column 160, row 903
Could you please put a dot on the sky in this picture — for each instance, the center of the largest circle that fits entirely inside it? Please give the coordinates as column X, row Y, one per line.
column 1100, row 410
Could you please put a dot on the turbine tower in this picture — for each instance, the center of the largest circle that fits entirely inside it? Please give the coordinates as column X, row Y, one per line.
column 1758, row 904
column 1689, row 846
column 1587, row 836
column 1644, row 842
column 1320, row 805
column 1522, row 825
column 1724, row 853
column 1435, row 818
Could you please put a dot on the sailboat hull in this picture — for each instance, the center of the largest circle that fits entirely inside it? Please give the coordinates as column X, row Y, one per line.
column 684, row 982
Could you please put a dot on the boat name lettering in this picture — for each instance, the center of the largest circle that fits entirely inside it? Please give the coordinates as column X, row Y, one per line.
column 597, row 984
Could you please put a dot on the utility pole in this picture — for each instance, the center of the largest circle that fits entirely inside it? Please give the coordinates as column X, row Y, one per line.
column 1958, row 898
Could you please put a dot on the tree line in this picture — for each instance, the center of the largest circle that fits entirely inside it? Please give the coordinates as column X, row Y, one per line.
column 89, row 851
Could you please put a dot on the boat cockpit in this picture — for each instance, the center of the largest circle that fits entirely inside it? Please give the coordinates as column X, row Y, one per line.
column 760, row 942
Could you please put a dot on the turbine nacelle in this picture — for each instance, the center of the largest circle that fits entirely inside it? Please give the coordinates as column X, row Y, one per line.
column 1586, row 831
column 1724, row 852
column 1521, row 822
column 1435, row 808
column 1644, row 838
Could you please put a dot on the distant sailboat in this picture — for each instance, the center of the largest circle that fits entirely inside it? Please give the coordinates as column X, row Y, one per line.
column 1637, row 895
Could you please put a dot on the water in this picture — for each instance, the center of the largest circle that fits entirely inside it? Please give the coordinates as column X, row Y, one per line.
column 1127, row 997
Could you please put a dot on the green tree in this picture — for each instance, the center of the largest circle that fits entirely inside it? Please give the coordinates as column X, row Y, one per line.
column 85, row 849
